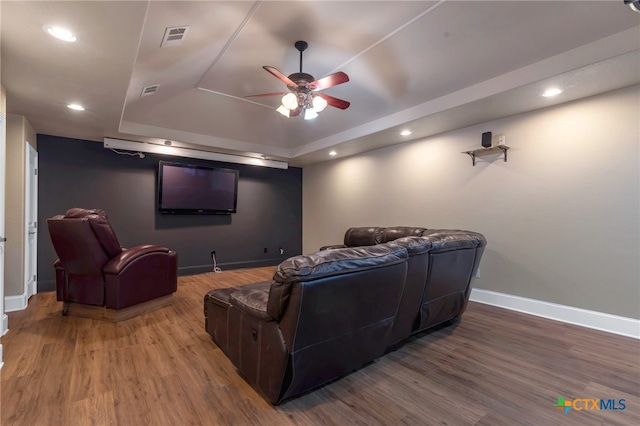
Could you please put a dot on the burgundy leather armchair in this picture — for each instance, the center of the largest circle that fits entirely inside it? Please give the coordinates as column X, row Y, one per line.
column 93, row 269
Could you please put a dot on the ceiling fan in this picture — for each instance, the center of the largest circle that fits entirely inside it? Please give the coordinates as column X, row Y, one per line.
column 303, row 96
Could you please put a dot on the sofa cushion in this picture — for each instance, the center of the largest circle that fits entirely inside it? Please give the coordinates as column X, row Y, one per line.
column 363, row 236
column 222, row 296
column 395, row 232
column 454, row 239
column 253, row 302
column 414, row 245
column 327, row 263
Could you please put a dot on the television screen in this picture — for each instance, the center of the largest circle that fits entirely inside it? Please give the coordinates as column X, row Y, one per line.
column 189, row 189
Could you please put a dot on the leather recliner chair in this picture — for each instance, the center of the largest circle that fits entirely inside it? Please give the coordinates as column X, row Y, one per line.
column 93, row 269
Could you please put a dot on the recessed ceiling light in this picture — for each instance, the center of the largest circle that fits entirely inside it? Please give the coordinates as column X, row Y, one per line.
column 60, row 33
column 405, row 132
column 633, row 4
column 75, row 107
column 332, row 153
column 551, row 92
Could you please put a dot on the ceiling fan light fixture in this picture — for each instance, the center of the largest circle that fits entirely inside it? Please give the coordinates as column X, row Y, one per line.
column 290, row 101
column 310, row 114
column 301, row 97
column 284, row 110
column 319, row 103
column 633, row 4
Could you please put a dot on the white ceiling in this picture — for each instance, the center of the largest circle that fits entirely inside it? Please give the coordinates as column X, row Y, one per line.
column 431, row 66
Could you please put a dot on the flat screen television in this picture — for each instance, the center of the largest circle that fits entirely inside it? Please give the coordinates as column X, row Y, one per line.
column 189, row 189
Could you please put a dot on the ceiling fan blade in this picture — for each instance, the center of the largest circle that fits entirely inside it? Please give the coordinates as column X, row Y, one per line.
column 335, row 102
column 286, row 80
column 262, row 95
column 329, row 81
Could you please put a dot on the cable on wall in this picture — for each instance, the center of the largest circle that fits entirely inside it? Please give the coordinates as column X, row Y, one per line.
column 133, row 154
column 216, row 268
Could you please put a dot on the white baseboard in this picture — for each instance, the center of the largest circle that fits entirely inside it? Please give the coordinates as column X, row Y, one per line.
column 583, row 317
column 4, row 325
column 15, row 303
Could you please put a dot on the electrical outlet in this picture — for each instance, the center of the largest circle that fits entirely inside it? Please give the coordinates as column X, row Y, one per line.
column 502, row 139
column 213, row 253
column 265, row 250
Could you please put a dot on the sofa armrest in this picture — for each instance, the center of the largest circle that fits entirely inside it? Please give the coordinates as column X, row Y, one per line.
column 333, row 247
column 252, row 302
column 126, row 257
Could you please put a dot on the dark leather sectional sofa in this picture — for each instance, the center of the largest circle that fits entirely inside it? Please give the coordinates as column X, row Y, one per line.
column 328, row 313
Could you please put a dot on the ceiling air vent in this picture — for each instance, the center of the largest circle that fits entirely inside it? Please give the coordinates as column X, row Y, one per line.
column 149, row 90
column 174, row 36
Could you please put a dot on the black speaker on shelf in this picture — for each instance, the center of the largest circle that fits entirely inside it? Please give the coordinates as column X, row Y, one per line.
column 486, row 139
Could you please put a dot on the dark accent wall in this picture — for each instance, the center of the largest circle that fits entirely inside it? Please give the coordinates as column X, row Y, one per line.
column 77, row 173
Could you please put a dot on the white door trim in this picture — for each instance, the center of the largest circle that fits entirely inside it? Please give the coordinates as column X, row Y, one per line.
column 4, row 319
column 30, row 221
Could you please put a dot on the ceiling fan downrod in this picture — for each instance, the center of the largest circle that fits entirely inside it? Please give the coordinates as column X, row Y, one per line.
column 301, row 78
column 301, row 46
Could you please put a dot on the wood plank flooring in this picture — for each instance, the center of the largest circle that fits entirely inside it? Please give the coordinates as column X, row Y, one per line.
column 496, row 367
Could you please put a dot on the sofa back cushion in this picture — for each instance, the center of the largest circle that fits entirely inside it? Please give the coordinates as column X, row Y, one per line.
column 324, row 264
column 363, row 236
column 394, row 232
column 454, row 239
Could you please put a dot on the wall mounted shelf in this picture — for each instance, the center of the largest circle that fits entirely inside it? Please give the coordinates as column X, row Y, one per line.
column 486, row 151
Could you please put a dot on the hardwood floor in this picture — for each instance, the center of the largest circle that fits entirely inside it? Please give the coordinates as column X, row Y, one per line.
column 496, row 367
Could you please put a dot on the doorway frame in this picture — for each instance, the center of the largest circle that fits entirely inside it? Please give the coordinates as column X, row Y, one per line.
column 30, row 222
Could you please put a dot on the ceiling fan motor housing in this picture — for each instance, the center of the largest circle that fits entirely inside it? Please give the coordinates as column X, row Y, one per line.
column 301, row 78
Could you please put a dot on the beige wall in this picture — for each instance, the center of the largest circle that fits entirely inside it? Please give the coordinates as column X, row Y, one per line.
column 18, row 131
column 561, row 217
